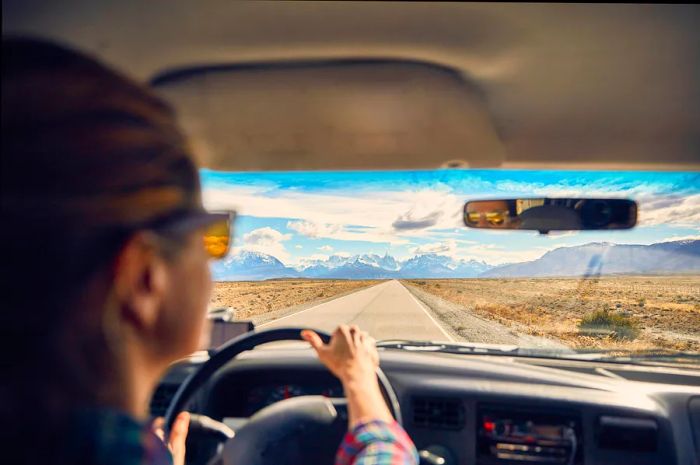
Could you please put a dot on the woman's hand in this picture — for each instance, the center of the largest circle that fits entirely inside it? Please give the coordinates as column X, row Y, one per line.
column 178, row 435
column 352, row 356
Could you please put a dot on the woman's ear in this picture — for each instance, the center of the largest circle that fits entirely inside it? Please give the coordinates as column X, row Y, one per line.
column 140, row 282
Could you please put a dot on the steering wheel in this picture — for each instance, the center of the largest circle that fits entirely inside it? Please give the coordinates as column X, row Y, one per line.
column 306, row 429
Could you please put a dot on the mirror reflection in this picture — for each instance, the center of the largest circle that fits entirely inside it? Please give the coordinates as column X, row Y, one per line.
column 551, row 214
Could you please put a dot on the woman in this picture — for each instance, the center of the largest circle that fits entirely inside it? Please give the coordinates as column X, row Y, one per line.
column 105, row 275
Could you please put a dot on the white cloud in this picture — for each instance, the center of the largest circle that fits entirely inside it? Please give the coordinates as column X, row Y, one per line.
column 372, row 216
column 314, row 230
column 333, row 215
column 268, row 241
column 489, row 253
column 670, row 210
column 319, row 209
column 409, row 221
column 338, row 232
column 560, row 234
column 498, row 255
column 298, row 246
column 264, row 236
column 326, row 248
column 427, row 209
column 691, row 237
column 448, row 247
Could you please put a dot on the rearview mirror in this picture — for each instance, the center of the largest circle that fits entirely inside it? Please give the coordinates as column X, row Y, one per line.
column 545, row 214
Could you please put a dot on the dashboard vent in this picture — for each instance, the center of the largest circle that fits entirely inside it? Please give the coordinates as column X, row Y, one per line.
column 438, row 413
column 627, row 433
column 161, row 398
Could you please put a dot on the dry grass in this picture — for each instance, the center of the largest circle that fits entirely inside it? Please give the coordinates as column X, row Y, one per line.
column 251, row 298
column 665, row 309
column 608, row 323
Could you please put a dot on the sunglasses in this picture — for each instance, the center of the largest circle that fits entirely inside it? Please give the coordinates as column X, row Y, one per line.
column 216, row 227
column 218, row 235
column 496, row 217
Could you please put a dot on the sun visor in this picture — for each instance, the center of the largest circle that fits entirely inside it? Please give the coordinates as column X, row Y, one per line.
column 347, row 115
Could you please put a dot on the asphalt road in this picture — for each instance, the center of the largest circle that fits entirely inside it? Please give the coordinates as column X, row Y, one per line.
column 386, row 311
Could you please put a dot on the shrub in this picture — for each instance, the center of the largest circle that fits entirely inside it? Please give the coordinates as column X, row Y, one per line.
column 606, row 323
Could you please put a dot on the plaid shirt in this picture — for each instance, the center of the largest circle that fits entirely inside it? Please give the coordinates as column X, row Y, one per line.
column 101, row 436
column 110, row 437
column 377, row 443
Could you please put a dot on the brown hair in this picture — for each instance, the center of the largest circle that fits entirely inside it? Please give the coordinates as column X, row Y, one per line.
column 87, row 154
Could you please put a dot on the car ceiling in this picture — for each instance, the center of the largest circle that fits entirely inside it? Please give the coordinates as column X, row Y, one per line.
column 540, row 85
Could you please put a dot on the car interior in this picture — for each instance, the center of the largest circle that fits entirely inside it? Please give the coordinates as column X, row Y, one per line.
column 349, row 86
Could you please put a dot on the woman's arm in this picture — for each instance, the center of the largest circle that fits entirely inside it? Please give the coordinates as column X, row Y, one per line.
column 377, row 442
column 374, row 437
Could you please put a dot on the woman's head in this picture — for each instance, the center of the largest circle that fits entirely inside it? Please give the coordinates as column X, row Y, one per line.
column 95, row 175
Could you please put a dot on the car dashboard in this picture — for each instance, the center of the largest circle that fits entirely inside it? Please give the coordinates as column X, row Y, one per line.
column 486, row 409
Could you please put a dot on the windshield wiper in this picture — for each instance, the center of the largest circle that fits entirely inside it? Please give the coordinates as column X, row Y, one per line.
column 474, row 348
column 448, row 347
column 652, row 356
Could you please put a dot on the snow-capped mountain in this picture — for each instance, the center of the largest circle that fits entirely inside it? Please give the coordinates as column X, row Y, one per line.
column 428, row 265
column 251, row 266
column 386, row 262
column 440, row 266
column 358, row 267
column 589, row 259
column 256, row 266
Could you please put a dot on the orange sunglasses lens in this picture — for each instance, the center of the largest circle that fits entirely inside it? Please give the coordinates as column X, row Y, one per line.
column 217, row 239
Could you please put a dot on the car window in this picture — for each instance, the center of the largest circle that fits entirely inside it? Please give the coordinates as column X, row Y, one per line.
column 389, row 251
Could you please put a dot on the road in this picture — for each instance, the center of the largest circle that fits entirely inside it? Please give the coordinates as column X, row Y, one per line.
column 390, row 311
column 386, row 311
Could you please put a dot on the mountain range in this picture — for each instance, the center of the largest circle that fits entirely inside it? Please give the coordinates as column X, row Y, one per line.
column 253, row 266
column 589, row 259
column 604, row 258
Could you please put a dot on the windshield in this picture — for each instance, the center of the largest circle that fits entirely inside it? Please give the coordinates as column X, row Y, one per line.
column 388, row 251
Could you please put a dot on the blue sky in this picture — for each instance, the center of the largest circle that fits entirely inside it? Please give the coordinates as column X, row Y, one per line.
column 298, row 216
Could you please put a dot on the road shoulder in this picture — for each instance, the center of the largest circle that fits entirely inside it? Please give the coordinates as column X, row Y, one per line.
column 465, row 326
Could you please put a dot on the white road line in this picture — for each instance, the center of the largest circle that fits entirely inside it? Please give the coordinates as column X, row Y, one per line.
column 315, row 306
column 420, row 305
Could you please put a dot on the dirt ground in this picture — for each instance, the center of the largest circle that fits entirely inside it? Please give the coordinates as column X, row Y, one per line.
column 665, row 309
column 253, row 298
